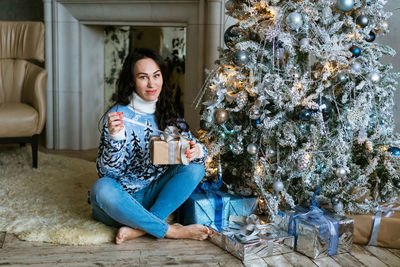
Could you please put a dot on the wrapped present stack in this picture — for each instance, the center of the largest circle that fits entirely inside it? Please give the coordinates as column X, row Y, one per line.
column 317, row 232
column 247, row 238
column 211, row 207
column 379, row 229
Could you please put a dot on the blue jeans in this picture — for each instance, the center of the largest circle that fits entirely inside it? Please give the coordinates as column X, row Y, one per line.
column 148, row 208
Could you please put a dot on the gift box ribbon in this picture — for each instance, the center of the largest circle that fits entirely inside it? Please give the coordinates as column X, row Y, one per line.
column 210, row 189
column 248, row 229
column 170, row 133
column 385, row 210
column 316, row 216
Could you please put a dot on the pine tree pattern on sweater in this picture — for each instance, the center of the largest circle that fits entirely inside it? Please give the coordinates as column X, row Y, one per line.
column 128, row 160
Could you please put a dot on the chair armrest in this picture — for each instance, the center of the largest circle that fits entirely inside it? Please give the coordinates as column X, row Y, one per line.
column 34, row 92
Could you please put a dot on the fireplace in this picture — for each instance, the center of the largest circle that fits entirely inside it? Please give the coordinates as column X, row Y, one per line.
column 75, row 57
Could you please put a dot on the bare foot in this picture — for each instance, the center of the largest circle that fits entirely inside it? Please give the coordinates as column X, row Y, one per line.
column 193, row 231
column 126, row 233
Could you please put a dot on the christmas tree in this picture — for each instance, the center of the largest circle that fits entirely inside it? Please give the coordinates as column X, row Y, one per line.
column 299, row 100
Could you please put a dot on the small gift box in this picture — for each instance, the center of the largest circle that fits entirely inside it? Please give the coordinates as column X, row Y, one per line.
column 317, row 232
column 169, row 147
column 381, row 229
column 213, row 208
column 163, row 152
column 247, row 239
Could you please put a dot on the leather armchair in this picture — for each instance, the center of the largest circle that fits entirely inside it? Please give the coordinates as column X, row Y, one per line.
column 22, row 83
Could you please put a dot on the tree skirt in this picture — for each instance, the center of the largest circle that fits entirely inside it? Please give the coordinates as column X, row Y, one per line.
column 48, row 204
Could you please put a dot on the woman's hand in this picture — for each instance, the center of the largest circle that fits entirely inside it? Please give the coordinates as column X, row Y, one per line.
column 115, row 123
column 194, row 152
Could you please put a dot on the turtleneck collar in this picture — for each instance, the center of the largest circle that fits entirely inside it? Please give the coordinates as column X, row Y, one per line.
column 141, row 105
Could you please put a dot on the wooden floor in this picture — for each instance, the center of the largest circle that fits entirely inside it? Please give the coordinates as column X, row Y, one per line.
column 148, row 251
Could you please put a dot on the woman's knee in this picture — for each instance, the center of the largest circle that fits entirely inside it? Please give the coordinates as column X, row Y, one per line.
column 105, row 189
column 197, row 172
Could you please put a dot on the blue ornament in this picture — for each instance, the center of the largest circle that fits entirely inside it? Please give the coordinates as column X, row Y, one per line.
column 355, row 50
column 256, row 122
column 306, row 114
column 371, row 37
column 345, row 5
column 394, row 150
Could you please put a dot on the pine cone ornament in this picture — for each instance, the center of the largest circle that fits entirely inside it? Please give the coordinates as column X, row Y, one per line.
column 241, row 99
column 304, row 160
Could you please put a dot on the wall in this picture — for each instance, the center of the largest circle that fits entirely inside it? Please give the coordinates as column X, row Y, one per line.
column 393, row 40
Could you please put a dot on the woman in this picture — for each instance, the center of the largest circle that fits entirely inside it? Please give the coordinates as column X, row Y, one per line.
column 132, row 193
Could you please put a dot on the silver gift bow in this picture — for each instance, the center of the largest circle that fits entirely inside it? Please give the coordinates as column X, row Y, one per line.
column 248, row 229
column 169, row 134
column 385, row 210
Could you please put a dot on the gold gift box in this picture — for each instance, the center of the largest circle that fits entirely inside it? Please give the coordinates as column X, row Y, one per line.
column 388, row 233
column 165, row 153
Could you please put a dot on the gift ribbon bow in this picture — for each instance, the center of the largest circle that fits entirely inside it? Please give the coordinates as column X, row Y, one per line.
column 169, row 134
column 248, row 229
column 317, row 216
column 385, row 211
column 210, row 189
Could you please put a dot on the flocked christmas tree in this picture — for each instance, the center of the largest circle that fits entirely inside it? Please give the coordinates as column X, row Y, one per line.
column 299, row 99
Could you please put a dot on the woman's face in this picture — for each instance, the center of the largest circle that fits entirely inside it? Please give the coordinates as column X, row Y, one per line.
column 148, row 79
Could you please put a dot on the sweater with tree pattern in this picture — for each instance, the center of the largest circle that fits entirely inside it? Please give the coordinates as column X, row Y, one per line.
column 128, row 160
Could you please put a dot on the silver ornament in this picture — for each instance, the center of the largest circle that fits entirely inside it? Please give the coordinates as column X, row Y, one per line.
column 241, row 57
column 341, row 78
column 335, row 200
column 252, row 149
column 338, row 208
column 230, row 5
column 345, row 5
column 294, row 21
column 356, row 66
column 373, row 77
column 278, row 186
column 362, row 21
column 340, row 172
column 221, row 115
column 270, row 153
column 236, row 149
column 304, row 42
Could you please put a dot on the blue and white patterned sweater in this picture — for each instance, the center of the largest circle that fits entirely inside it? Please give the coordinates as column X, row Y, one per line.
column 128, row 160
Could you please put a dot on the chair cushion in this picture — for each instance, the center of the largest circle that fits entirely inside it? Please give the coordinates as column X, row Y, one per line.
column 17, row 120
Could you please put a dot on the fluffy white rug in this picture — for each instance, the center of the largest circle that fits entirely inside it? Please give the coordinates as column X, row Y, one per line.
column 48, row 204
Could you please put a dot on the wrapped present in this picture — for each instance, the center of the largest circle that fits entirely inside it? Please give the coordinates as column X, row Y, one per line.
column 381, row 229
column 209, row 206
column 213, row 208
column 169, row 147
column 246, row 238
column 317, row 232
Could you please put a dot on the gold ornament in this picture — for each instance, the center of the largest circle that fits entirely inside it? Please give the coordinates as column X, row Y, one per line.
column 221, row 115
column 365, row 193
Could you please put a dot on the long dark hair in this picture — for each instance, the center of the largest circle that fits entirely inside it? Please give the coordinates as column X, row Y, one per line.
column 166, row 113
